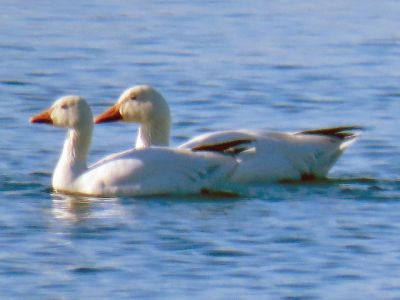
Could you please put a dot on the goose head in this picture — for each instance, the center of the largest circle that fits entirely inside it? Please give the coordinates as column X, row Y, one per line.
column 67, row 112
column 139, row 104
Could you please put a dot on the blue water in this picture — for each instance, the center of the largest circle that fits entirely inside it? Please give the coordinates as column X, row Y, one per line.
column 278, row 65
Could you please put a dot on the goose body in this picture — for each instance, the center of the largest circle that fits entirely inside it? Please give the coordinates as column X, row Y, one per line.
column 274, row 156
column 147, row 171
column 155, row 171
column 261, row 156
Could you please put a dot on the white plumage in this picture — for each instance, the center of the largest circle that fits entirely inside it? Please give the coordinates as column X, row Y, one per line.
column 148, row 171
column 262, row 156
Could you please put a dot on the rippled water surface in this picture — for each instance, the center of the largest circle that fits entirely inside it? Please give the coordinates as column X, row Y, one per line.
column 278, row 65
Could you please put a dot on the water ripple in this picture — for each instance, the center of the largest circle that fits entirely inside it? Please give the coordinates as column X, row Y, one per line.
column 267, row 65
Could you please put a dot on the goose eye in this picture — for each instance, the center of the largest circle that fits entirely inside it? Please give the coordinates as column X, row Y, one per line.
column 132, row 97
column 64, row 106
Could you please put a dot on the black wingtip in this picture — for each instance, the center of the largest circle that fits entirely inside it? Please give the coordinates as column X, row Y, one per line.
column 225, row 147
column 340, row 132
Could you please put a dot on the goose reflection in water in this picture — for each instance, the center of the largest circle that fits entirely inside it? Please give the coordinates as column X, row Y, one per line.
column 79, row 208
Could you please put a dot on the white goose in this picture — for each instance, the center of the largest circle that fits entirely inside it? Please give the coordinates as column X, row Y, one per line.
column 265, row 156
column 148, row 171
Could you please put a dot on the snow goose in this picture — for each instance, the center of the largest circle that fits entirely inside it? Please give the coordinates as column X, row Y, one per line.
column 264, row 156
column 147, row 171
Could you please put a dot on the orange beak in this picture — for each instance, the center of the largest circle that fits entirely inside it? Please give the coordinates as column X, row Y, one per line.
column 43, row 117
column 110, row 115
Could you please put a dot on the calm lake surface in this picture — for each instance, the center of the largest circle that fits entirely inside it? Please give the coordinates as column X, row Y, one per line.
column 276, row 65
